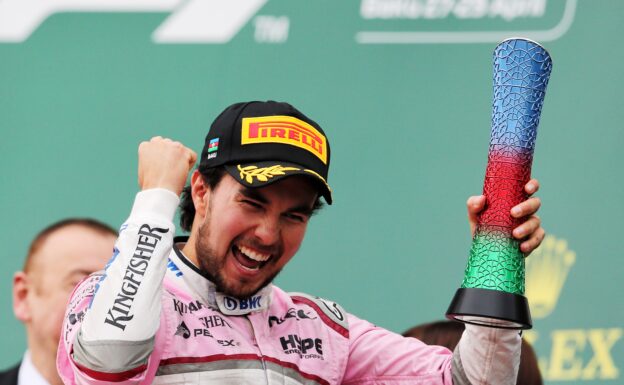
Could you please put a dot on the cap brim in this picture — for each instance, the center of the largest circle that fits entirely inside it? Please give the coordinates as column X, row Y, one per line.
column 264, row 173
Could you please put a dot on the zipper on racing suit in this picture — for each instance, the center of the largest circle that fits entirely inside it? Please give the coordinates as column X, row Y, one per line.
column 255, row 342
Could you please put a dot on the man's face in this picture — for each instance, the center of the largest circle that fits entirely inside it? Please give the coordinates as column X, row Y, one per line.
column 66, row 256
column 248, row 235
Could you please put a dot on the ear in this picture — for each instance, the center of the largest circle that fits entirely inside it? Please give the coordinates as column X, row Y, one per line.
column 200, row 193
column 21, row 289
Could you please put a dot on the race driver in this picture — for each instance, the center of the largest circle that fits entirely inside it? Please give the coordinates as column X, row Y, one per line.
column 193, row 311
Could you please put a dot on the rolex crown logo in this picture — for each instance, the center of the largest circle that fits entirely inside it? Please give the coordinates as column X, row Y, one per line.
column 546, row 271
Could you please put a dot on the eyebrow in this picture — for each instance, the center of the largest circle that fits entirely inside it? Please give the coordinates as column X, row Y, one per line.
column 256, row 195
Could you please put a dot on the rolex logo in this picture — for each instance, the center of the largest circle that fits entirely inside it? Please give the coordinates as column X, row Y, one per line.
column 546, row 271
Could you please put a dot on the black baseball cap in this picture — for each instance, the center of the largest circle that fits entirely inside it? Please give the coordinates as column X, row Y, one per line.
column 260, row 143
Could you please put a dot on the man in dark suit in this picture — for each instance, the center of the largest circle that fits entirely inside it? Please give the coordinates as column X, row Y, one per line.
column 9, row 377
column 58, row 258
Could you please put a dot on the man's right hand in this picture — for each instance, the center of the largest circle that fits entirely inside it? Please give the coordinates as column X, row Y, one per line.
column 164, row 163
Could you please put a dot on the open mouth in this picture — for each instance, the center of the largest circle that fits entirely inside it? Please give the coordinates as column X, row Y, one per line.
column 250, row 259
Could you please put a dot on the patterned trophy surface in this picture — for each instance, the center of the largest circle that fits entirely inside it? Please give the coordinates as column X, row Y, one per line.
column 521, row 72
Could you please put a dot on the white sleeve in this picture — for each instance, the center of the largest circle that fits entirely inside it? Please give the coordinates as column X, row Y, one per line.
column 118, row 329
column 487, row 356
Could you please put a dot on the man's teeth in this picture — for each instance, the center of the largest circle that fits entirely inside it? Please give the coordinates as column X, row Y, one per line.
column 252, row 254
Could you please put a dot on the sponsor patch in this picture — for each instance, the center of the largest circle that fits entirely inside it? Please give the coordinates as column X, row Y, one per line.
column 174, row 268
column 292, row 313
column 120, row 313
column 76, row 317
column 234, row 306
column 214, row 321
column 183, row 331
column 284, row 130
column 330, row 312
column 188, row 307
column 251, row 303
column 303, row 347
column 213, row 145
column 75, row 309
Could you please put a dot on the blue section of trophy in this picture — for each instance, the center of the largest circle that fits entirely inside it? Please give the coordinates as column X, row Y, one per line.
column 521, row 73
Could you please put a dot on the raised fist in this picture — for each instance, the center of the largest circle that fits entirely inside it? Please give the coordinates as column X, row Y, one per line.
column 164, row 163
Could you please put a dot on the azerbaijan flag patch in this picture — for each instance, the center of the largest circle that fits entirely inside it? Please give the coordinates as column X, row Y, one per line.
column 213, row 145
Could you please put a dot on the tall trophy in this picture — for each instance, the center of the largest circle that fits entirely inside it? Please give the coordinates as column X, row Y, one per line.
column 492, row 292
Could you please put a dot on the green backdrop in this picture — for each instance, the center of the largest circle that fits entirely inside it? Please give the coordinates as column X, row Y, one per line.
column 403, row 89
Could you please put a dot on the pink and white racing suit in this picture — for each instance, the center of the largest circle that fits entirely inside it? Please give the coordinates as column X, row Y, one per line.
column 152, row 318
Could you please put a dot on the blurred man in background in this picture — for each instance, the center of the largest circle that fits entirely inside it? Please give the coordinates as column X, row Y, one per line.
column 58, row 258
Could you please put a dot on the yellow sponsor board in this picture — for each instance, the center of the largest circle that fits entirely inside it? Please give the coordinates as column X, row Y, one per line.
column 578, row 354
column 284, row 130
column 574, row 355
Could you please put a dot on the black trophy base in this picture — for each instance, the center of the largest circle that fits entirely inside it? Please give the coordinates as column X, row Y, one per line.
column 491, row 308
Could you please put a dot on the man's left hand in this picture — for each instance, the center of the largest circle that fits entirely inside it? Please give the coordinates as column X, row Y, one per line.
column 530, row 231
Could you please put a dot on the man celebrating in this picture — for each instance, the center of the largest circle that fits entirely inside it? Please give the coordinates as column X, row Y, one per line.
column 59, row 257
column 205, row 310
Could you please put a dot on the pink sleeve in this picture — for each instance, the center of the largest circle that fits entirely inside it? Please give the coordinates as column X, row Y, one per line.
column 76, row 308
column 377, row 355
column 70, row 372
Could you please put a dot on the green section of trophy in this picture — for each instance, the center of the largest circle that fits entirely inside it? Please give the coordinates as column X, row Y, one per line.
column 495, row 263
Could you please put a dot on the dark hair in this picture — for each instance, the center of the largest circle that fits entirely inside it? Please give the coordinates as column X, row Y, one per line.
column 212, row 177
column 448, row 333
column 41, row 237
column 442, row 333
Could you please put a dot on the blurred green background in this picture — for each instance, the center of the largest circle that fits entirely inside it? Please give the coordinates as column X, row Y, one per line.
column 403, row 89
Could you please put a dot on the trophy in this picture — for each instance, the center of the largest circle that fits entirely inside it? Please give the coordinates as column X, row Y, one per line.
column 492, row 292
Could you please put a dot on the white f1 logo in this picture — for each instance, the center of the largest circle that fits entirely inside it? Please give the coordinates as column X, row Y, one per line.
column 192, row 21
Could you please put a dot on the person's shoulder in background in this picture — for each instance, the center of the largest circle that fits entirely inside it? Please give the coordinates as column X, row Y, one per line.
column 9, row 376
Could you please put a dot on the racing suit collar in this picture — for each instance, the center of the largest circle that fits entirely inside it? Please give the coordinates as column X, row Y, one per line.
column 201, row 286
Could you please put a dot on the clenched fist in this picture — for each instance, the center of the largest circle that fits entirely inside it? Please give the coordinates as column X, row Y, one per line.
column 164, row 163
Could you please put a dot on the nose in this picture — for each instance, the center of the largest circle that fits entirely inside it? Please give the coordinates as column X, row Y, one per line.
column 268, row 231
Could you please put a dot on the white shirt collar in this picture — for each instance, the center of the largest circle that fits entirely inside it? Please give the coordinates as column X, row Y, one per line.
column 28, row 374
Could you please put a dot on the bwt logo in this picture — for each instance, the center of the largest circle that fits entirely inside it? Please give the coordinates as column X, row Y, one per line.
column 243, row 304
column 191, row 21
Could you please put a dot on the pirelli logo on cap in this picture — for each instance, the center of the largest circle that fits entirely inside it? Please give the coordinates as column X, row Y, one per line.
column 285, row 130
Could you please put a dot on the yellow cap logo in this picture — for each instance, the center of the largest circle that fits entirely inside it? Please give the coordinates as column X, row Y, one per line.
column 546, row 271
column 285, row 130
